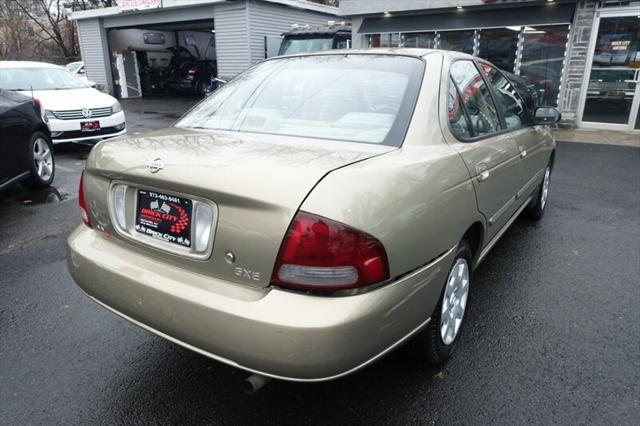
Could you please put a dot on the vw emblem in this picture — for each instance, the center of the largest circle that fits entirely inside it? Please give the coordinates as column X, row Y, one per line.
column 86, row 113
column 156, row 165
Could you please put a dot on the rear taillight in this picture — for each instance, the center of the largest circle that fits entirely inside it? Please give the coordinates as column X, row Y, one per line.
column 83, row 203
column 321, row 254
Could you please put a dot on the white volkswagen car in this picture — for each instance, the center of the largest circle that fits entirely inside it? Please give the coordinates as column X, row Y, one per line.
column 73, row 111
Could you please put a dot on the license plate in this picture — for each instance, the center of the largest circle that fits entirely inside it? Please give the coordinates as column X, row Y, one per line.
column 164, row 217
column 89, row 126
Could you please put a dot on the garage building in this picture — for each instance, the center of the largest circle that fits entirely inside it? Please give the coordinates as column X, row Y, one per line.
column 118, row 42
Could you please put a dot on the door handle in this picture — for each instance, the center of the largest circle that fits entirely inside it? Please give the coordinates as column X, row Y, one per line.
column 523, row 151
column 483, row 173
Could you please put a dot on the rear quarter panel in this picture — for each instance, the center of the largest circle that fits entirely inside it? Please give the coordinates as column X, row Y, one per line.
column 418, row 201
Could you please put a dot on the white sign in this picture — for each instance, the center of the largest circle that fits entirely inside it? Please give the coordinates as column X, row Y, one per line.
column 139, row 4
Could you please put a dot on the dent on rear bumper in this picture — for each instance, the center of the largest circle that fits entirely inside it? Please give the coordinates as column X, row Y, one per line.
column 275, row 333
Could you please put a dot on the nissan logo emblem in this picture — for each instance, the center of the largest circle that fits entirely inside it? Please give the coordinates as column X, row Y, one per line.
column 155, row 165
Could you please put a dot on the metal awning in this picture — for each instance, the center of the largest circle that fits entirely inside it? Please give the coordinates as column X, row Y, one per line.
column 546, row 14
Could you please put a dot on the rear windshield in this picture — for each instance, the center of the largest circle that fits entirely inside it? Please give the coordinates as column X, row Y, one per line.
column 356, row 98
column 38, row 79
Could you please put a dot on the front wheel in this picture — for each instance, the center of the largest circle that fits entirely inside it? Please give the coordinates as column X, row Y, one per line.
column 535, row 210
column 436, row 342
column 41, row 160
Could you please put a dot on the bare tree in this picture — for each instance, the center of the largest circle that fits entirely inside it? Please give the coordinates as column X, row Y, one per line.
column 13, row 26
column 50, row 23
column 90, row 4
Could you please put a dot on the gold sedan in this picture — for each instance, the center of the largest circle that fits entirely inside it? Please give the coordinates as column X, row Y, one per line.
column 317, row 211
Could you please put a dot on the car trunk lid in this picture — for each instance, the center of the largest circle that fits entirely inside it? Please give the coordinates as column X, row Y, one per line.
column 256, row 181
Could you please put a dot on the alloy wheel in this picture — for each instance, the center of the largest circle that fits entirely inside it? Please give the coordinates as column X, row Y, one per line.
column 43, row 159
column 454, row 301
column 545, row 187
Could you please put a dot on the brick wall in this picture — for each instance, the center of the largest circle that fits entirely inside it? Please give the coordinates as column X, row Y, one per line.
column 577, row 60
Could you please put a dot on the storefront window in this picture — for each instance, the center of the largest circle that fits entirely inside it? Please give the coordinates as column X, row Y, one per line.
column 499, row 46
column 373, row 40
column 460, row 41
column 384, row 40
column 419, row 40
column 614, row 71
column 542, row 60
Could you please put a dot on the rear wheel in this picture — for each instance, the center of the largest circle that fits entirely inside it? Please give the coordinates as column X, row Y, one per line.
column 42, row 162
column 535, row 210
column 436, row 342
column 201, row 89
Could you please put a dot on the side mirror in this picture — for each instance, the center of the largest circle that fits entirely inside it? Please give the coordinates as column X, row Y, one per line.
column 546, row 115
column 92, row 84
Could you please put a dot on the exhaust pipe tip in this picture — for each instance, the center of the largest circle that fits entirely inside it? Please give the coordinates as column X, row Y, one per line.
column 254, row 383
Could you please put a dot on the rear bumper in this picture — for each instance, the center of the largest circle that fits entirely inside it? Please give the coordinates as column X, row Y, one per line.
column 271, row 332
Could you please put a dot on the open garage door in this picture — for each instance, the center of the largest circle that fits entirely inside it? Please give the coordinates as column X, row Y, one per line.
column 176, row 58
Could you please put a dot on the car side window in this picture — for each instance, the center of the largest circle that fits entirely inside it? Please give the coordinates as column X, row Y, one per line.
column 476, row 98
column 457, row 117
column 509, row 101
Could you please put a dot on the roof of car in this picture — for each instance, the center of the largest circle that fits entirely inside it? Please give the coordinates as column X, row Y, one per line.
column 405, row 51
column 26, row 64
column 319, row 30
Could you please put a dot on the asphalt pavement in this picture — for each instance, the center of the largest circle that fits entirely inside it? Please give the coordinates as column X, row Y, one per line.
column 552, row 333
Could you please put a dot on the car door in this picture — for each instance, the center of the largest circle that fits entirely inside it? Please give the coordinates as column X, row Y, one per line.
column 529, row 139
column 488, row 150
column 14, row 130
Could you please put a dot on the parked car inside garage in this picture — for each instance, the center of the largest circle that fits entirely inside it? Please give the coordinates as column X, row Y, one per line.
column 26, row 151
column 188, row 74
column 74, row 111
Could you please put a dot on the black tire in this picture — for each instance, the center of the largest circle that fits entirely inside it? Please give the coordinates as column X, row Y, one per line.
column 429, row 345
column 200, row 89
column 535, row 209
column 35, row 181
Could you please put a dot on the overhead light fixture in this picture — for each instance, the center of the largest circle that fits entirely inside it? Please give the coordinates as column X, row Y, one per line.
column 459, row 7
column 386, row 14
column 550, row 1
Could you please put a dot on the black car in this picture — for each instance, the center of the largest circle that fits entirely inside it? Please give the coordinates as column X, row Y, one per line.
column 26, row 151
column 188, row 74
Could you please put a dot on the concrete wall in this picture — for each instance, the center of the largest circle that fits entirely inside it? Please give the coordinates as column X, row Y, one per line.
column 576, row 65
